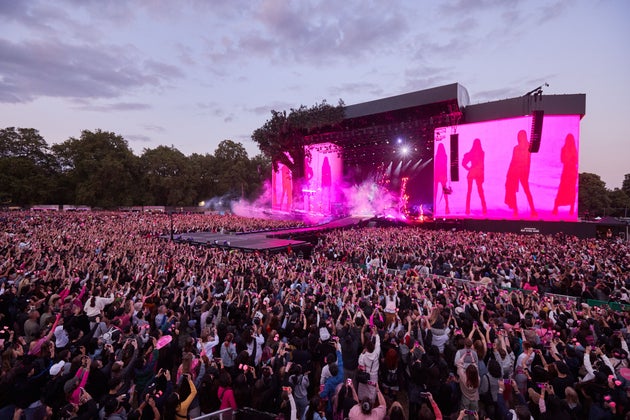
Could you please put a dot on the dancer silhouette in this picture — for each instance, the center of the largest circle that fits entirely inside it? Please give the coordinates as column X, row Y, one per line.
column 473, row 162
column 568, row 179
column 441, row 176
column 518, row 173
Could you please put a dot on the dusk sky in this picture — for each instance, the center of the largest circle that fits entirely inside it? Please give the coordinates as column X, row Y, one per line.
column 193, row 73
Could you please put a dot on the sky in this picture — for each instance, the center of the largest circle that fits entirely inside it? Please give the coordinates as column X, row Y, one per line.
column 191, row 73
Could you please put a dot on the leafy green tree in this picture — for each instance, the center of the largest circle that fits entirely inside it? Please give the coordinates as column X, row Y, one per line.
column 260, row 168
column 204, row 176
column 233, row 167
column 619, row 203
column 625, row 186
column 282, row 137
column 593, row 197
column 99, row 169
column 167, row 177
column 27, row 168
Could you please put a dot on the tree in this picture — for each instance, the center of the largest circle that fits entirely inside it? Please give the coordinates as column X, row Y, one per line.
column 204, row 176
column 619, row 203
column 593, row 197
column 282, row 137
column 99, row 169
column 625, row 186
column 167, row 178
column 233, row 167
column 27, row 168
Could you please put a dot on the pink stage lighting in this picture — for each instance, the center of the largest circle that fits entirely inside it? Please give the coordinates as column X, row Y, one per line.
column 500, row 179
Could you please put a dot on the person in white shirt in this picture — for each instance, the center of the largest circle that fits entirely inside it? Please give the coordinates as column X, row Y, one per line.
column 95, row 305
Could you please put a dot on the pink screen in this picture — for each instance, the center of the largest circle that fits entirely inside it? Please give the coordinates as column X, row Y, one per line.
column 500, row 179
column 323, row 173
column 282, row 188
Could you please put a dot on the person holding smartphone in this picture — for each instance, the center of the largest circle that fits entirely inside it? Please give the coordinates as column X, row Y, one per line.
column 175, row 406
column 469, row 382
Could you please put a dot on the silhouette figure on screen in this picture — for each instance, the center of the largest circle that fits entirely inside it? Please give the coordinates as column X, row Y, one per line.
column 307, row 191
column 518, row 173
column 326, row 184
column 568, row 179
column 473, row 162
column 287, row 187
column 441, row 176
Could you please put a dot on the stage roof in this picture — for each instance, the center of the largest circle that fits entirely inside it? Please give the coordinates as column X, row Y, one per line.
column 574, row 104
column 441, row 94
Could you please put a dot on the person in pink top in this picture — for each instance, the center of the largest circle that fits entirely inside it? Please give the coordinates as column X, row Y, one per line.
column 225, row 392
column 36, row 346
column 82, row 373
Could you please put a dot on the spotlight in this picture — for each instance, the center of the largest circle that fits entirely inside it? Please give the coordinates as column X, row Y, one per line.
column 404, row 151
column 399, row 140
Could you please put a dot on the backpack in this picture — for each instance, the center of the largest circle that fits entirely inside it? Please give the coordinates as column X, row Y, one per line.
column 486, row 397
column 391, row 377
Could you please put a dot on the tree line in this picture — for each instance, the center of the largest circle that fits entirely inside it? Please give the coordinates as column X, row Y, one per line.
column 99, row 169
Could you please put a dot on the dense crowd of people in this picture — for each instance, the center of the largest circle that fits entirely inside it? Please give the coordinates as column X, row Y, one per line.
column 101, row 318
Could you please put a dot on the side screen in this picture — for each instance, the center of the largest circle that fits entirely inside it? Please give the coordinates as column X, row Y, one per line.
column 489, row 173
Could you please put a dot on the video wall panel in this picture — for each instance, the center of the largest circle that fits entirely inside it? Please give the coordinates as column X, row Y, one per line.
column 493, row 175
column 319, row 191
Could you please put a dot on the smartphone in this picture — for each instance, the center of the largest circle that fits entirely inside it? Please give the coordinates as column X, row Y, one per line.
column 425, row 394
column 507, row 381
column 470, row 412
column 349, row 381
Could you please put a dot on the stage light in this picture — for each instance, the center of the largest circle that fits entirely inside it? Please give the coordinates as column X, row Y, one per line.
column 404, row 151
column 399, row 140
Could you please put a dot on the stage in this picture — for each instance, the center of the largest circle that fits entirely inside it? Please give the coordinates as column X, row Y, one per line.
column 297, row 239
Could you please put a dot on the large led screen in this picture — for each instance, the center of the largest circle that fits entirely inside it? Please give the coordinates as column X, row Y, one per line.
column 323, row 172
column 282, row 188
column 318, row 192
column 490, row 173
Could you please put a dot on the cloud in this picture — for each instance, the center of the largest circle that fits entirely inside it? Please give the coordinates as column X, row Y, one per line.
column 31, row 69
column 266, row 109
column 154, row 128
column 216, row 110
column 356, row 88
column 553, row 10
column 466, row 7
column 119, row 106
column 496, row 94
column 139, row 138
column 302, row 32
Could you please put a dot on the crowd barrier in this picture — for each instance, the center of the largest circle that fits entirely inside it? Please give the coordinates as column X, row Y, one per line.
column 225, row 414
column 615, row 306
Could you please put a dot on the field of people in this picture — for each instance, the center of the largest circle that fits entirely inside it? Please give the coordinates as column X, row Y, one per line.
column 101, row 317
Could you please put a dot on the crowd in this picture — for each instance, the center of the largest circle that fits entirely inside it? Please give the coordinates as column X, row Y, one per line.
column 100, row 318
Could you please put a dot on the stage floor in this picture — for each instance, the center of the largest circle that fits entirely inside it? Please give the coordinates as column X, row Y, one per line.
column 273, row 241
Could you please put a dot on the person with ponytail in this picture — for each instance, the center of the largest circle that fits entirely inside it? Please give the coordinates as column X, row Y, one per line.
column 95, row 304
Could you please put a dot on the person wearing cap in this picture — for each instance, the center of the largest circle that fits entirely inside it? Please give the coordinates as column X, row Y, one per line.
column 53, row 394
